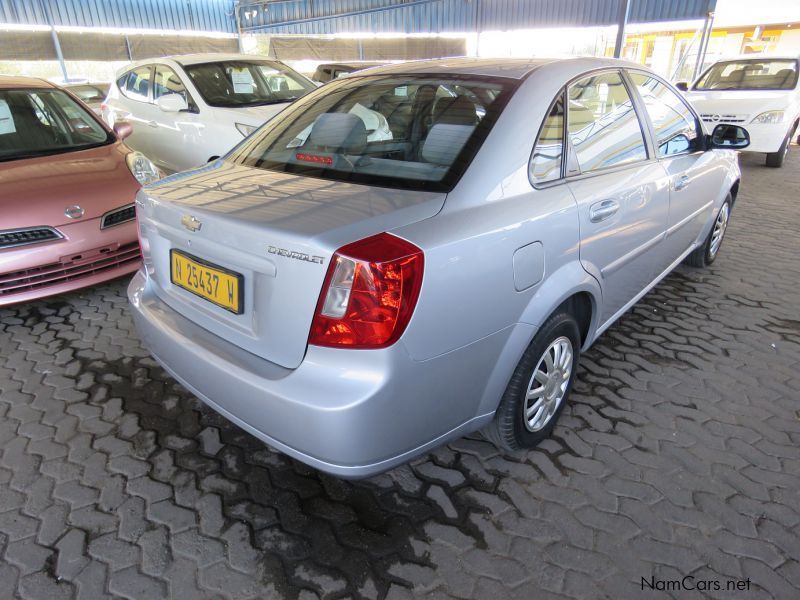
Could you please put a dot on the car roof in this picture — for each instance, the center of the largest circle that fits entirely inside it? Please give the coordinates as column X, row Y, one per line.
column 758, row 57
column 515, row 68
column 191, row 59
column 355, row 63
column 17, row 81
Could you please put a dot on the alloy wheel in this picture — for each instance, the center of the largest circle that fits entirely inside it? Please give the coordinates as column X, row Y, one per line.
column 720, row 225
column 548, row 384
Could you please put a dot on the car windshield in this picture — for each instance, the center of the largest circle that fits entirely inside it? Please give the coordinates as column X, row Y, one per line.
column 37, row 122
column 394, row 131
column 89, row 93
column 237, row 83
column 750, row 75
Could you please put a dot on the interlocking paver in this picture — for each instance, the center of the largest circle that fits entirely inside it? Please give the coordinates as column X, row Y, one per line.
column 679, row 454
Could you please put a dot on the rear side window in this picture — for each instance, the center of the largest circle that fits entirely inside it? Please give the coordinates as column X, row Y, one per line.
column 545, row 164
column 675, row 126
column 137, row 85
column 603, row 128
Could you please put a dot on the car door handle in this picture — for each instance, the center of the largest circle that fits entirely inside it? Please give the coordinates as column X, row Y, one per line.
column 681, row 182
column 600, row 211
column 152, row 124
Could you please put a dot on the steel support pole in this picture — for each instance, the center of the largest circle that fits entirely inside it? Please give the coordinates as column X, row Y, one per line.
column 708, row 25
column 237, row 14
column 56, row 43
column 622, row 21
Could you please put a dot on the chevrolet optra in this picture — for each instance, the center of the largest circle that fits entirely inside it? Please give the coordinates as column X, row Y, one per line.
column 355, row 300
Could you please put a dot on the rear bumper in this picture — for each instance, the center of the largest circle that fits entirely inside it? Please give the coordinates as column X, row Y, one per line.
column 86, row 256
column 351, row 413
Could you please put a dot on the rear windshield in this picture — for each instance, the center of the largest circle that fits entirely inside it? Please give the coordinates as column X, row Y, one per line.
column 238, row 83
column 38, row 122
column 750, row 75
column 395, row 131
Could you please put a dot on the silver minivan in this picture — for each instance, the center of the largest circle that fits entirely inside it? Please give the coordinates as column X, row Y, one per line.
column 419, row 251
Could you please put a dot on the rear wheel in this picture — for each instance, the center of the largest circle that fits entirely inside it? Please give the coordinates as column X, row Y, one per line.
column 707, row 253
column 539, row 387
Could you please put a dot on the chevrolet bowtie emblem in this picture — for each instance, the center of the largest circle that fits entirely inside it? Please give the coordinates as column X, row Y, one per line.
column 191, row 223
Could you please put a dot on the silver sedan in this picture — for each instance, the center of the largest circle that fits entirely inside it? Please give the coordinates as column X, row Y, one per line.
column 422, row 250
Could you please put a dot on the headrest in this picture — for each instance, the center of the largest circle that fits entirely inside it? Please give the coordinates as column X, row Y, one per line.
column 784, row 76
column 455, row 111
column 444, row 142
column 736, row 75
column 338, row 132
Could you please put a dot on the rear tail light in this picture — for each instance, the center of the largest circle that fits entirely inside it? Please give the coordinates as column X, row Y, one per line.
column 369, row 293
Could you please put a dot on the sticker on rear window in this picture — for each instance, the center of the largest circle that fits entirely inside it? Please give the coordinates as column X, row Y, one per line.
column 6, row 119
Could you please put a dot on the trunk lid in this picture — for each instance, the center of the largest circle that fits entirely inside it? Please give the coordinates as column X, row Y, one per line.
column 278, row 231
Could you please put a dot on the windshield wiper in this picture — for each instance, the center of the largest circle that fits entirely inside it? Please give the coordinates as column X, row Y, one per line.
column 31, row 154
column 49, row 151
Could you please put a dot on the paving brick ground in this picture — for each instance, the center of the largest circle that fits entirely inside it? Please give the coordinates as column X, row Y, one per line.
column 679, row 455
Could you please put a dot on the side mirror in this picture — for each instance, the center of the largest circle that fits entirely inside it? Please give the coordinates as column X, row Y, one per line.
column 172, row 103
column 729, row 137
column 682, row 86
column 122, row 129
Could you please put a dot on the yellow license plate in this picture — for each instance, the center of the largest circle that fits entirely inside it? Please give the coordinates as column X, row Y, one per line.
column 220, row 286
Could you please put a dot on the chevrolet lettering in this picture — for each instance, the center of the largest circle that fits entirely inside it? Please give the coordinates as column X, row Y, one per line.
column 296, row 255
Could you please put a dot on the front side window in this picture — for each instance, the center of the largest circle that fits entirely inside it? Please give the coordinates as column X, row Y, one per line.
column 603, row 128
column 751, row 74
column 166, row 81
column 675, row 126
column 38, row 122
column 247, row 83
column 137, row 86
column 396, row 131
column 545, row 164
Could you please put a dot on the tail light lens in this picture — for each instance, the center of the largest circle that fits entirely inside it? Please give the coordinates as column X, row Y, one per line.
column 369, row 293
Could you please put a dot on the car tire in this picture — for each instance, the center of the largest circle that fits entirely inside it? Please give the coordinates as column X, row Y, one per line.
column 707, row 253
column 775, row 159
column 510, row 429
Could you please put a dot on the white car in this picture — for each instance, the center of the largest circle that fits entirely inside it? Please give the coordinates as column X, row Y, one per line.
column 187, row 110
column 760, row 94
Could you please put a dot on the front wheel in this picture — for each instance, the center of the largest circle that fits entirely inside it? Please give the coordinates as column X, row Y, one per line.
column 707, row 253
column 539, row 387
column 775, row 159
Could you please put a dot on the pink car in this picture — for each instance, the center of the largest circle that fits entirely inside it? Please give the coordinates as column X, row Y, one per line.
column 67, row 190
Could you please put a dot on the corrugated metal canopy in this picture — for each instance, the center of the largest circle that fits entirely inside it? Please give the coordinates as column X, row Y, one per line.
column 437, row 16
column 189, row 15
column 343, row 16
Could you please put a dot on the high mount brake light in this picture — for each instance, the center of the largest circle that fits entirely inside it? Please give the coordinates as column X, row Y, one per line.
column 369, row 293
column 314, row 158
